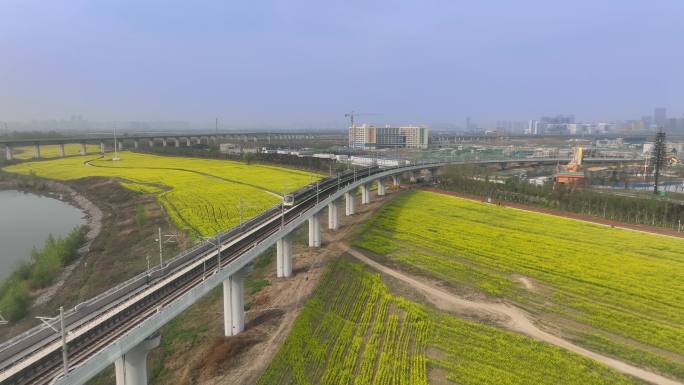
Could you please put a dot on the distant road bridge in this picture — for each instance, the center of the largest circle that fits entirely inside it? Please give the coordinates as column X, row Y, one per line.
column 185, row 139
column 121, row 325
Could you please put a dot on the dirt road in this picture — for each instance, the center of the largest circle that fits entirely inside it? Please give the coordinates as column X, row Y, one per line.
column 508, row 316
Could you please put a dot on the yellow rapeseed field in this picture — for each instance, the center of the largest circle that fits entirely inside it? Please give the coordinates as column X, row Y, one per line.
column 618, row 291
column 200, row 195
column 355, row 331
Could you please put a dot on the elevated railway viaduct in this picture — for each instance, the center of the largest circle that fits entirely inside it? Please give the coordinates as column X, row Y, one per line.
column 150, row 140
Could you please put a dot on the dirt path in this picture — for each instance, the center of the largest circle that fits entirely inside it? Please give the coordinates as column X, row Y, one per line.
column 508, row 316
column 665, row 232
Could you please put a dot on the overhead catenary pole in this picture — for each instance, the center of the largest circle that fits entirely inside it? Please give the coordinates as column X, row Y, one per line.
column 65, row 358
column 48, row 321
column 161, row 254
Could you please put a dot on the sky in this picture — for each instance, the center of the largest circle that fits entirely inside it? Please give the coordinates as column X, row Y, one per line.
column 305, row 63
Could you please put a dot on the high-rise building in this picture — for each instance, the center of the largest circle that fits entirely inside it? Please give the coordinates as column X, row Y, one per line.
column 533, row 128
column 660, row 117
column 370, row 136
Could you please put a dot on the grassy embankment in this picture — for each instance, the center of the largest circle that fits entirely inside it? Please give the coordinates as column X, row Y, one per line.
column 613, row 290
column 355, row 331
column 41, row 271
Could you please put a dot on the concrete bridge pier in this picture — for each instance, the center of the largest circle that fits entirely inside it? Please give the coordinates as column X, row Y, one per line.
column 315, row 231
column 284, row 257
column 412, row 177
column 395, row 180
column 36, row 151
column 349, row 200
column 131, row 368
column 150, row 143
column 176, row 142
column 164, row 142
column 333, row 221
column 60, row 148
column 198, row 140
column 234, row 303
column 84, row 149
column 381, row 187
column 102, row 147
column 136, row 143
column 8, row 153
column 365, row 194
column 187, row 142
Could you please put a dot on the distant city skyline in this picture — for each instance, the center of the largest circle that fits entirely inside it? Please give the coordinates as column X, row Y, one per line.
column 306, row 63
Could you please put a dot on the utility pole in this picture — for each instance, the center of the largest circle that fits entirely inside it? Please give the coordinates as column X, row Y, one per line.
column 658, row 157
column 116, row 145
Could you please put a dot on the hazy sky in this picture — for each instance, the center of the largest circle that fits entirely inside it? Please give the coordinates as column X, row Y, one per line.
column 307, row 62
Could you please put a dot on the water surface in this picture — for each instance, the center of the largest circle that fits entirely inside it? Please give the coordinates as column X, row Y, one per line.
column 26, row 221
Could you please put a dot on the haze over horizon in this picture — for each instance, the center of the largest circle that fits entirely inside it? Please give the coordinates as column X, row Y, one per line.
column 284, row 63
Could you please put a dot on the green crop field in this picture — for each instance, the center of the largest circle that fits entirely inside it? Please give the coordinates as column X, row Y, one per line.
column 614, row 290
column 52, row 150
column 201, row 195
column 355, row 331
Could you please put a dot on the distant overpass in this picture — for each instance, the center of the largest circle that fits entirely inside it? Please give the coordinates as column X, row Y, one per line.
column 121, row 325
column 185, row 139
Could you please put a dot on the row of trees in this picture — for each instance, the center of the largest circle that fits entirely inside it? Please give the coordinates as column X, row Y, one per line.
column 647, row 210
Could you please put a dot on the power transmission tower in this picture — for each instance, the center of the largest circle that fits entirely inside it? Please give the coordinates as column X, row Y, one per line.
column 658, row 158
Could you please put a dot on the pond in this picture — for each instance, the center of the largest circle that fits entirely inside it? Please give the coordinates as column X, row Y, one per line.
column 26, row 221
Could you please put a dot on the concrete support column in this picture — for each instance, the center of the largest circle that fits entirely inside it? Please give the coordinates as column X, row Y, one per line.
column 164, row 143
column 349, row 200
column 284, row 257
column 412, row 177
column 102, row 148
column 84, row 149
column 395, row 180
column 333, row 221
column 60, row 148
column 314, row 231
column 234, row 303
column 136, row 143
column 365, row 194
column 176, row 142
column 381, row 187
column 187, row 142
column 120, row 145
column 36, row 151
column 8, row 153
column 150, row 142
column 131, row 368
column 199, row 140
